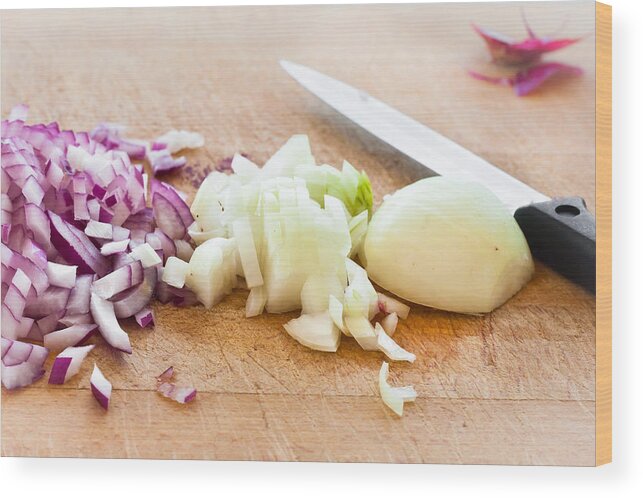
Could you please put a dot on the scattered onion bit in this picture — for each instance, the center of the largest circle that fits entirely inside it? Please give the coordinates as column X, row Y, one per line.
column 101, row 387
column 145, row 317
column 394, row 397
column 68, row 363
column 171, row 390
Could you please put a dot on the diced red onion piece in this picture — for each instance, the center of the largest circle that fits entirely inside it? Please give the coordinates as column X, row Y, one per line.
column 22, row 363
column 69, row 320
column 119, row 280
column 15, row 327
column 76, row 247
column 146, row 254
column 99, row 230
column 138, row 297
column 104, row 316
column 145, row 317
column 78, row 303
column 34, row 253
column 21, row 281
column 49, row 323
column 171, row 212
column 61, row 275
column 71, row 336
column 52, row 300
column 119, row 233
column 37, row 222
column 114, row 247
column 167, row 244
column 15, row 301
column 101, row 387
column 68, row 363
column 171, row 390
column 162, row 162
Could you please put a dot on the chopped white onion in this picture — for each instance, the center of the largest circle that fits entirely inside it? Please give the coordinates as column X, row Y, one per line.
column 389, row 323
column 394, row 397
column 315, row 331
column 255, row 302
column 174, row 272
column 390, row 348
column 361, row 329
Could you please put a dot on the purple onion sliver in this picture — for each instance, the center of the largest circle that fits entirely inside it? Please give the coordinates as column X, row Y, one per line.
column 59, row 370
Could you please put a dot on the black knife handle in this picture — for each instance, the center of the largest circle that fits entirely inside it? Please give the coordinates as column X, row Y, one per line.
column 562, row 234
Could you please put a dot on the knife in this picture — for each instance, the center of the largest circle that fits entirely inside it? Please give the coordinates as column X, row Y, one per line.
column 561, row 232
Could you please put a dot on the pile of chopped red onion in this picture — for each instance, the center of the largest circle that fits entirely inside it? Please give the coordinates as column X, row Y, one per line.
column 83, row 242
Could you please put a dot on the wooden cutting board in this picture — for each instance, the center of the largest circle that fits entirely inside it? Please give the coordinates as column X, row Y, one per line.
column 515, row 386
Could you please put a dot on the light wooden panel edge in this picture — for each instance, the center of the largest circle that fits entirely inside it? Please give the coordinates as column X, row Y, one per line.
column 603, row 233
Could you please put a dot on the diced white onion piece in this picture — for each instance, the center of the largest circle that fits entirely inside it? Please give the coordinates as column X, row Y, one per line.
column 389, row 323
column 99, row 230
column 388, row 304
column 176, row 140
column 206, row 207
column 114, row 247
column 316, row 291
column 294, row 152
column 146, row 254
column 394, row 397
column 255, row 302
column 336, row 310
column 175, row 272
column 315, row 331
column 183, row 250
column 242, row 232
column 358, row 227
column 363, row 332
column 101, row 387
column 68, row 363
column 61, row 275
column 244, row 167
column 390, row 348
column 206, row 275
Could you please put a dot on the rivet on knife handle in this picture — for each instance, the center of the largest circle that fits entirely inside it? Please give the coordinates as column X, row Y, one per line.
column 562, row 234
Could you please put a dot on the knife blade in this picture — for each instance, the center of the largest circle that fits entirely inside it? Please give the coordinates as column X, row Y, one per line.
column 561, row 232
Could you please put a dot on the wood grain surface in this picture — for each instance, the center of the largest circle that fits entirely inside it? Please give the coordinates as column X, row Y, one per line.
column 516, row 386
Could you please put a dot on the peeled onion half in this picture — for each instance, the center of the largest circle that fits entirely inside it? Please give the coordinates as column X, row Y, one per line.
column 447, row 244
